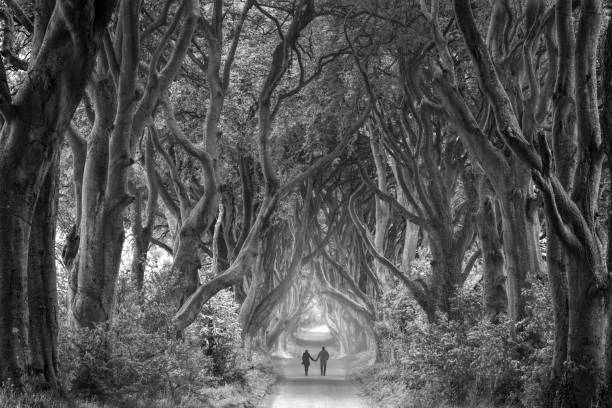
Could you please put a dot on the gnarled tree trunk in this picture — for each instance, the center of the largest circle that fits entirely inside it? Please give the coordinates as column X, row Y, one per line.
column 570, row 202
column 42, row 281
column 35, row 121
column 495, row 299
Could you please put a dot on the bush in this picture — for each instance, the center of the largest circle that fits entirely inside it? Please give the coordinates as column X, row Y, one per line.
column 9, row 398
column 138, row 361
column 126, row 362
column 462, row 362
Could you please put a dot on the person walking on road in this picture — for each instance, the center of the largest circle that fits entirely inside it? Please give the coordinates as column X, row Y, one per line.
column 306, row 357
column 324, row 356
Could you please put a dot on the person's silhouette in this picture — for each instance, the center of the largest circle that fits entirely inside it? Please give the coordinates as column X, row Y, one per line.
column 324, row 356
column 306, row 357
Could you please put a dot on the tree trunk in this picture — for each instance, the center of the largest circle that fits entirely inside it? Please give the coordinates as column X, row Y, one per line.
column 35, row 121
column 102, row 235
column 521, row 250
column 606, row 130
column 273, row 333
column 411, row 239
column 18, row 195
column 143, row 233
column 42, row 288
column 411, row 230
column 186, row 263
column 557, row 272
column 586, row 364
column 140, row 248
column 233, row 275
column 105, row 196
column 140, row 241
column 570, row 203
column 495, row 299
column 445, row 276
column 382, row 207
column 257, row 289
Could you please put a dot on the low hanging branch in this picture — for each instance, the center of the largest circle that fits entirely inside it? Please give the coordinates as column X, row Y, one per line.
column 329, row 290
column 234, row 274
column 303, row 15
column 265, row 307
column 469, row 265
column 564, row 212
column 413, row 218
column 361, row 315
column 350, row 281
column 418, row 288
column 184, row 203
column 288, row 317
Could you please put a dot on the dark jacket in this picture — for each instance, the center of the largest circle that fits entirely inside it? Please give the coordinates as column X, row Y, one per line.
column 323, row 355
column 306, row 357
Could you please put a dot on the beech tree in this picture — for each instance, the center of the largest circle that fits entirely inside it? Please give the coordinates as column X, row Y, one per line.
column 426, row 179
column 430, row 185
column 269, row 102
column 516, row 199
column 568, row 175
column 198, row 215
column 120, row 117
column 66, row 37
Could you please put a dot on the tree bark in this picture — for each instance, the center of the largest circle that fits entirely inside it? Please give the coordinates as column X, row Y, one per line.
column 509, row 176
column 101, row 238
column 42, row 282
column 606, row 128
column 445, row 276
column 495, row 299
column 557, row 274
column 238, row 268
column 382, row 207
column 35, row 121
column 521, row 251
column 564, row 146
column 257, row 288
column 143, row 233
column 570, row 210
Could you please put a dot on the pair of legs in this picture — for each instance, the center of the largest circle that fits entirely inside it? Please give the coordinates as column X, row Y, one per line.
column 306, row 368
column 323, row 367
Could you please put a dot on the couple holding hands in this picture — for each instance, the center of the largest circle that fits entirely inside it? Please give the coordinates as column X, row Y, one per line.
column 323, row 355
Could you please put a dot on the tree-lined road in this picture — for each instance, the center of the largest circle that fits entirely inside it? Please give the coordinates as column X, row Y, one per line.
column 332, row 391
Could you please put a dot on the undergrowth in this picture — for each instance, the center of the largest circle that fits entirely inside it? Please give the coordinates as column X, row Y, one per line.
column 137, row 361
column 460, row 363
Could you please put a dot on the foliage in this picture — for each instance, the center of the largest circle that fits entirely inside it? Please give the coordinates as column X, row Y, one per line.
column 10, row 398
column 138, row 361
column 463, row 362
column 460, row 360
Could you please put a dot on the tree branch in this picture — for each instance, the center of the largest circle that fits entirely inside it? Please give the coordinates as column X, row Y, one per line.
column 418, row 292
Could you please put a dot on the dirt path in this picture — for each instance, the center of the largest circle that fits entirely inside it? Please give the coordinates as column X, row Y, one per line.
column 332, row 391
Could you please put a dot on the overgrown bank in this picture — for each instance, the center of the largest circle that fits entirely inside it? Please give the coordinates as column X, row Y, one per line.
column 139, row 362
column 463, row 363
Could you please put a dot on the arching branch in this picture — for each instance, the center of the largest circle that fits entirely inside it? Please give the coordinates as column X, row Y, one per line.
column 419, row 291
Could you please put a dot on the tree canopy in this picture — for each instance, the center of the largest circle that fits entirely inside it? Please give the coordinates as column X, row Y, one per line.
column 382, row 168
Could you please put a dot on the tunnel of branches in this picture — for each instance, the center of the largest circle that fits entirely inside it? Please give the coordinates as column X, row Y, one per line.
column 312, row 158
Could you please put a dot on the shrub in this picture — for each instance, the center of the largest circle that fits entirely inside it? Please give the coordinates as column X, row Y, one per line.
column 125, row 361
column 137, row 359
column 461, row 362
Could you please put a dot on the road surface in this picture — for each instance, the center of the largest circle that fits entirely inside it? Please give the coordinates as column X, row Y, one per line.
column 332, row 391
